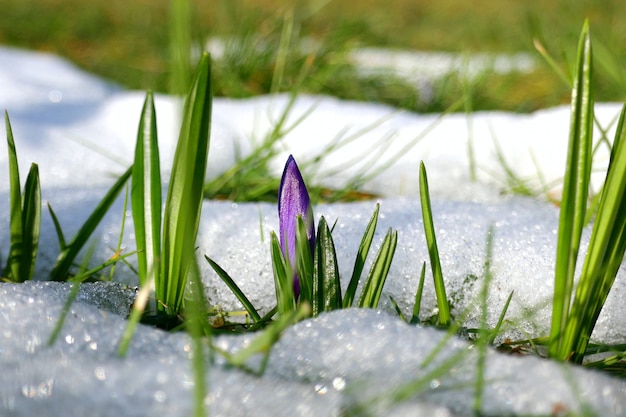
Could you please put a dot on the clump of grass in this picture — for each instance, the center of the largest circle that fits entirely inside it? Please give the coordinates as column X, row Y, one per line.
column 26, row 223
column 25, row 208
column 573, row 322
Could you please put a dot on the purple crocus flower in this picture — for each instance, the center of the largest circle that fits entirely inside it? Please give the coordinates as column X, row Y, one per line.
column 294, row 201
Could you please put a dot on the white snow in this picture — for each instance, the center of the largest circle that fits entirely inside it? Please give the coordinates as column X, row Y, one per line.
column 81, row 131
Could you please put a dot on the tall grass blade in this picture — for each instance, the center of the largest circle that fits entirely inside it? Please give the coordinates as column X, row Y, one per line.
column 326, row 283
column 604, row 255
column 11, row 270
column 146, row 194
column 65, row 259
column 361, row 255
column 575, row 193
column 433, row 251
column 377, row 276
column 180, row 45
column 184, row 198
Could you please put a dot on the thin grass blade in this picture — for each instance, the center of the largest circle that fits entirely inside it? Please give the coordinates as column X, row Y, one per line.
column 146, row 193
column 433, row 251
column 496, row 329
column 575, row 193
column 415, row 318
column 61, row 268
column 373, row 287
column 57, row 227
column 361, row 256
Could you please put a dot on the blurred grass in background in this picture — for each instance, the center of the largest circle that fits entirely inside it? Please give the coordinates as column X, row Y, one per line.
column 128, row 42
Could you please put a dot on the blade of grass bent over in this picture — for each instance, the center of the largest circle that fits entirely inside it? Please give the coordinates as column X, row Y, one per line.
column 68, row 254
column 235, row 289
column 433, row 252
column 146, row 193
column 184, row 198
column 575, row 192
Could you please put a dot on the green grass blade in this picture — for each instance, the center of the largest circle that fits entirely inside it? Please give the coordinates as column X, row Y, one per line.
column 265, row 340
column 605, row 252
column 496, row 330
column 361, row 256
column 396, row 307
column 180, row 45
column 198, row 328
column 120, row 237
column 84, row 275
column 31, row 223
column 15, row 202
column 433, row 252
column 373, row 287
column 184, row 198
column 575, row 193
column 283, row 282
column 483, row 331
column 57, row 228
column 58, row 326
column 146, row 193
column 235, row 289
column 64, row 261
column 304, row 263
column 415, row 318
column 326, row 283
column 138, row 308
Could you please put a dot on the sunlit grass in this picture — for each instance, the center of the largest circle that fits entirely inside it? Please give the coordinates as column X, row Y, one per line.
column 129, row 42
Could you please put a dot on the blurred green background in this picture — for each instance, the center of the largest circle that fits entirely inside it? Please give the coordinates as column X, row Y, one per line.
column 129, row 42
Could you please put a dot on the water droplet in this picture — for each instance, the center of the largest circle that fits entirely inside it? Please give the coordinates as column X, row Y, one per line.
column 339, row 383
column 55, row 96
column 321, row 389
column 100, row 373
column 160, row 396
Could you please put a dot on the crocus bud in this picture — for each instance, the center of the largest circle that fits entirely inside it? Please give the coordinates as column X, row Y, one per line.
column 294, row 201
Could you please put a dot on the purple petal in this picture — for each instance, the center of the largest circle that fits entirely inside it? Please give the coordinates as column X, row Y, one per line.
column 293, row 201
